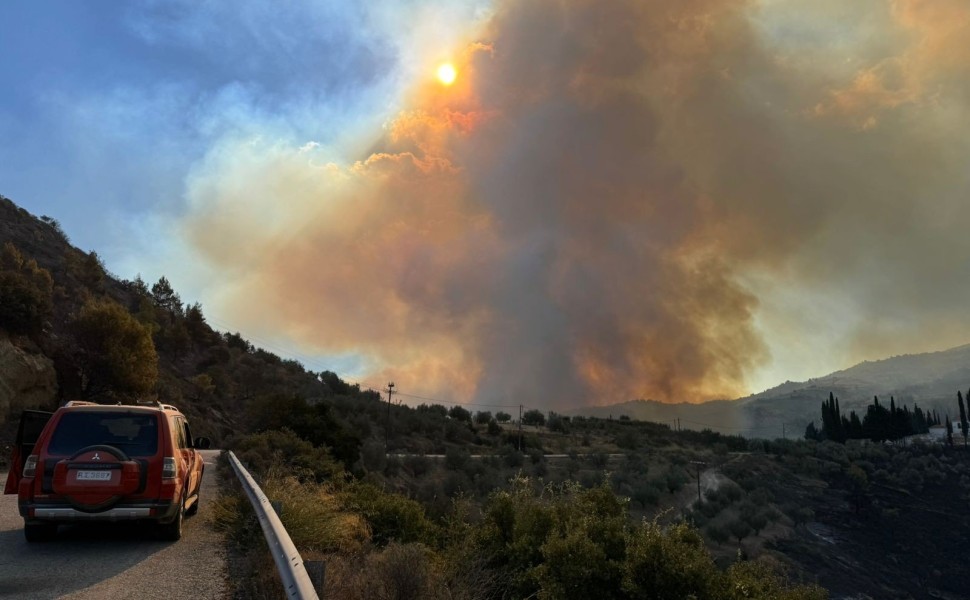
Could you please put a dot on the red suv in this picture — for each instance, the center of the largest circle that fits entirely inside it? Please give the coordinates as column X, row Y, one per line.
column 94, row 462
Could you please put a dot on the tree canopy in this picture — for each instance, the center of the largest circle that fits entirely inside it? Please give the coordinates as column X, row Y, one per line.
column 116, row 353
column 25, row 293
column 533, row 417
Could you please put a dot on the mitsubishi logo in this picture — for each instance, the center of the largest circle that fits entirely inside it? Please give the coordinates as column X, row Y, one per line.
column 96, row 456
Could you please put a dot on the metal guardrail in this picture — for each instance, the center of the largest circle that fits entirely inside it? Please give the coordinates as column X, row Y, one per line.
column 293, row 573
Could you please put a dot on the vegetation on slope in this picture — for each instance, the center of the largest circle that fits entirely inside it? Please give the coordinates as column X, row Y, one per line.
column 496, row 516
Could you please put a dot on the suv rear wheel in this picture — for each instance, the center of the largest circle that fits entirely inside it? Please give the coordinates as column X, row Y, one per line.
column 39, row 532
column 173, row 531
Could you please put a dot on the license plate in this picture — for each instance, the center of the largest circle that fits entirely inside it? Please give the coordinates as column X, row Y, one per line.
column 94, row 475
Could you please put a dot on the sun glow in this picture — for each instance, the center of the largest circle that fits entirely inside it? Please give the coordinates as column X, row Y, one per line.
column 447, row 74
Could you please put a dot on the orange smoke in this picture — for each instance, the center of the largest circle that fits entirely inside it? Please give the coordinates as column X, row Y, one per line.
column 570, row 222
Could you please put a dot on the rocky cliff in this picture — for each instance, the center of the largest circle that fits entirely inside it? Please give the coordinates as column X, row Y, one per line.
column 27, row 380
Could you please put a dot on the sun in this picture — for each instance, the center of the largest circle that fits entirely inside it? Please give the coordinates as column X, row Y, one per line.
column 447, row 74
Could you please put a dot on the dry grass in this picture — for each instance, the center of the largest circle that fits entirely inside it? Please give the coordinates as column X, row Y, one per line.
column 314, row 518
column 311, row 516
column 405, row 572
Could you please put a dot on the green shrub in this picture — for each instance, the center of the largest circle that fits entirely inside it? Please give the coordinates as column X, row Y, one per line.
column 285, row 451
column 314, row 516
column 670, row 563
column 310, row 512
column 390, row 516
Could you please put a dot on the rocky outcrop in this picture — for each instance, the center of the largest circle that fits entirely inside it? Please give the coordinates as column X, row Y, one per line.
column 27, row 380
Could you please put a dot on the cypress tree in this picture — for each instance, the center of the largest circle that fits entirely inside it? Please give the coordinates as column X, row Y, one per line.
column 949, row 431
column 921, row 422
column 830, row 420
column 855, row 427
column 893, row 420
column 963, row 416
column 839, row 425
column 877, row 423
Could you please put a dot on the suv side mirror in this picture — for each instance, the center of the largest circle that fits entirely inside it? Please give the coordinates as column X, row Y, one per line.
column 201, row 443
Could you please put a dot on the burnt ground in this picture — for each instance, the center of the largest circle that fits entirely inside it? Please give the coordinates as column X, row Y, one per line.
column 888, row 540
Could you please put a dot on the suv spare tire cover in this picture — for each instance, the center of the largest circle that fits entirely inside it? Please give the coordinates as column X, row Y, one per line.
column 108, row 474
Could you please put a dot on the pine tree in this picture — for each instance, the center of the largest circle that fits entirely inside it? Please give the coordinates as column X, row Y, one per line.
column 117, row 356
column 165, row 297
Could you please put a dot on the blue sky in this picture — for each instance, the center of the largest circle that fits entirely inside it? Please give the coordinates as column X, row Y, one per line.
column 108, row 107
column 109, row 104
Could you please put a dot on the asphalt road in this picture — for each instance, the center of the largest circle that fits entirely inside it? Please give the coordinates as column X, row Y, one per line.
column 102, row 561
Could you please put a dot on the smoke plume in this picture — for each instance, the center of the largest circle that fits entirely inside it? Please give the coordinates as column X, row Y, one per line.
column 625, row 199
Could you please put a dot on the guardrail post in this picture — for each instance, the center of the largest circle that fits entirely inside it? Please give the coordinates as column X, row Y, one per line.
column 317, row 570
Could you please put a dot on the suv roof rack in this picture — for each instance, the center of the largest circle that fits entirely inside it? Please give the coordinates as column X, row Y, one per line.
column 80, row 403
column 158, row 404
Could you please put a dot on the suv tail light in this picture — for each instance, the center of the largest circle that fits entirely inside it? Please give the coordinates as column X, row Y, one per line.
column 30, row 467
column 168, row 467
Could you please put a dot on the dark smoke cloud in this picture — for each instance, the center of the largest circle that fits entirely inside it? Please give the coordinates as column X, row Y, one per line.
column 619, row 200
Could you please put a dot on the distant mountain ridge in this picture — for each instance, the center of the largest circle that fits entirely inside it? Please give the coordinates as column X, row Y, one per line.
column 929, row 379
column 921, row 375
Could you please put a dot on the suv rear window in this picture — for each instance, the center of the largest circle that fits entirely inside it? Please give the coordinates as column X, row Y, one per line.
column 134, row 434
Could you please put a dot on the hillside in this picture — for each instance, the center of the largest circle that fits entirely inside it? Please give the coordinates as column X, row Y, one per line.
column 930, row 380
column 50, row 354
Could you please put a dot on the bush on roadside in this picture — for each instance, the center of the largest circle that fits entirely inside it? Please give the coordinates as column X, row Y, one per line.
column 285, row 451
column 391, row 517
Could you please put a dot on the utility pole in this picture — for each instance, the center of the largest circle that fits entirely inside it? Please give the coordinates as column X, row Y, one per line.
column 697, row 464
column 520, row 428
column 387, row 424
